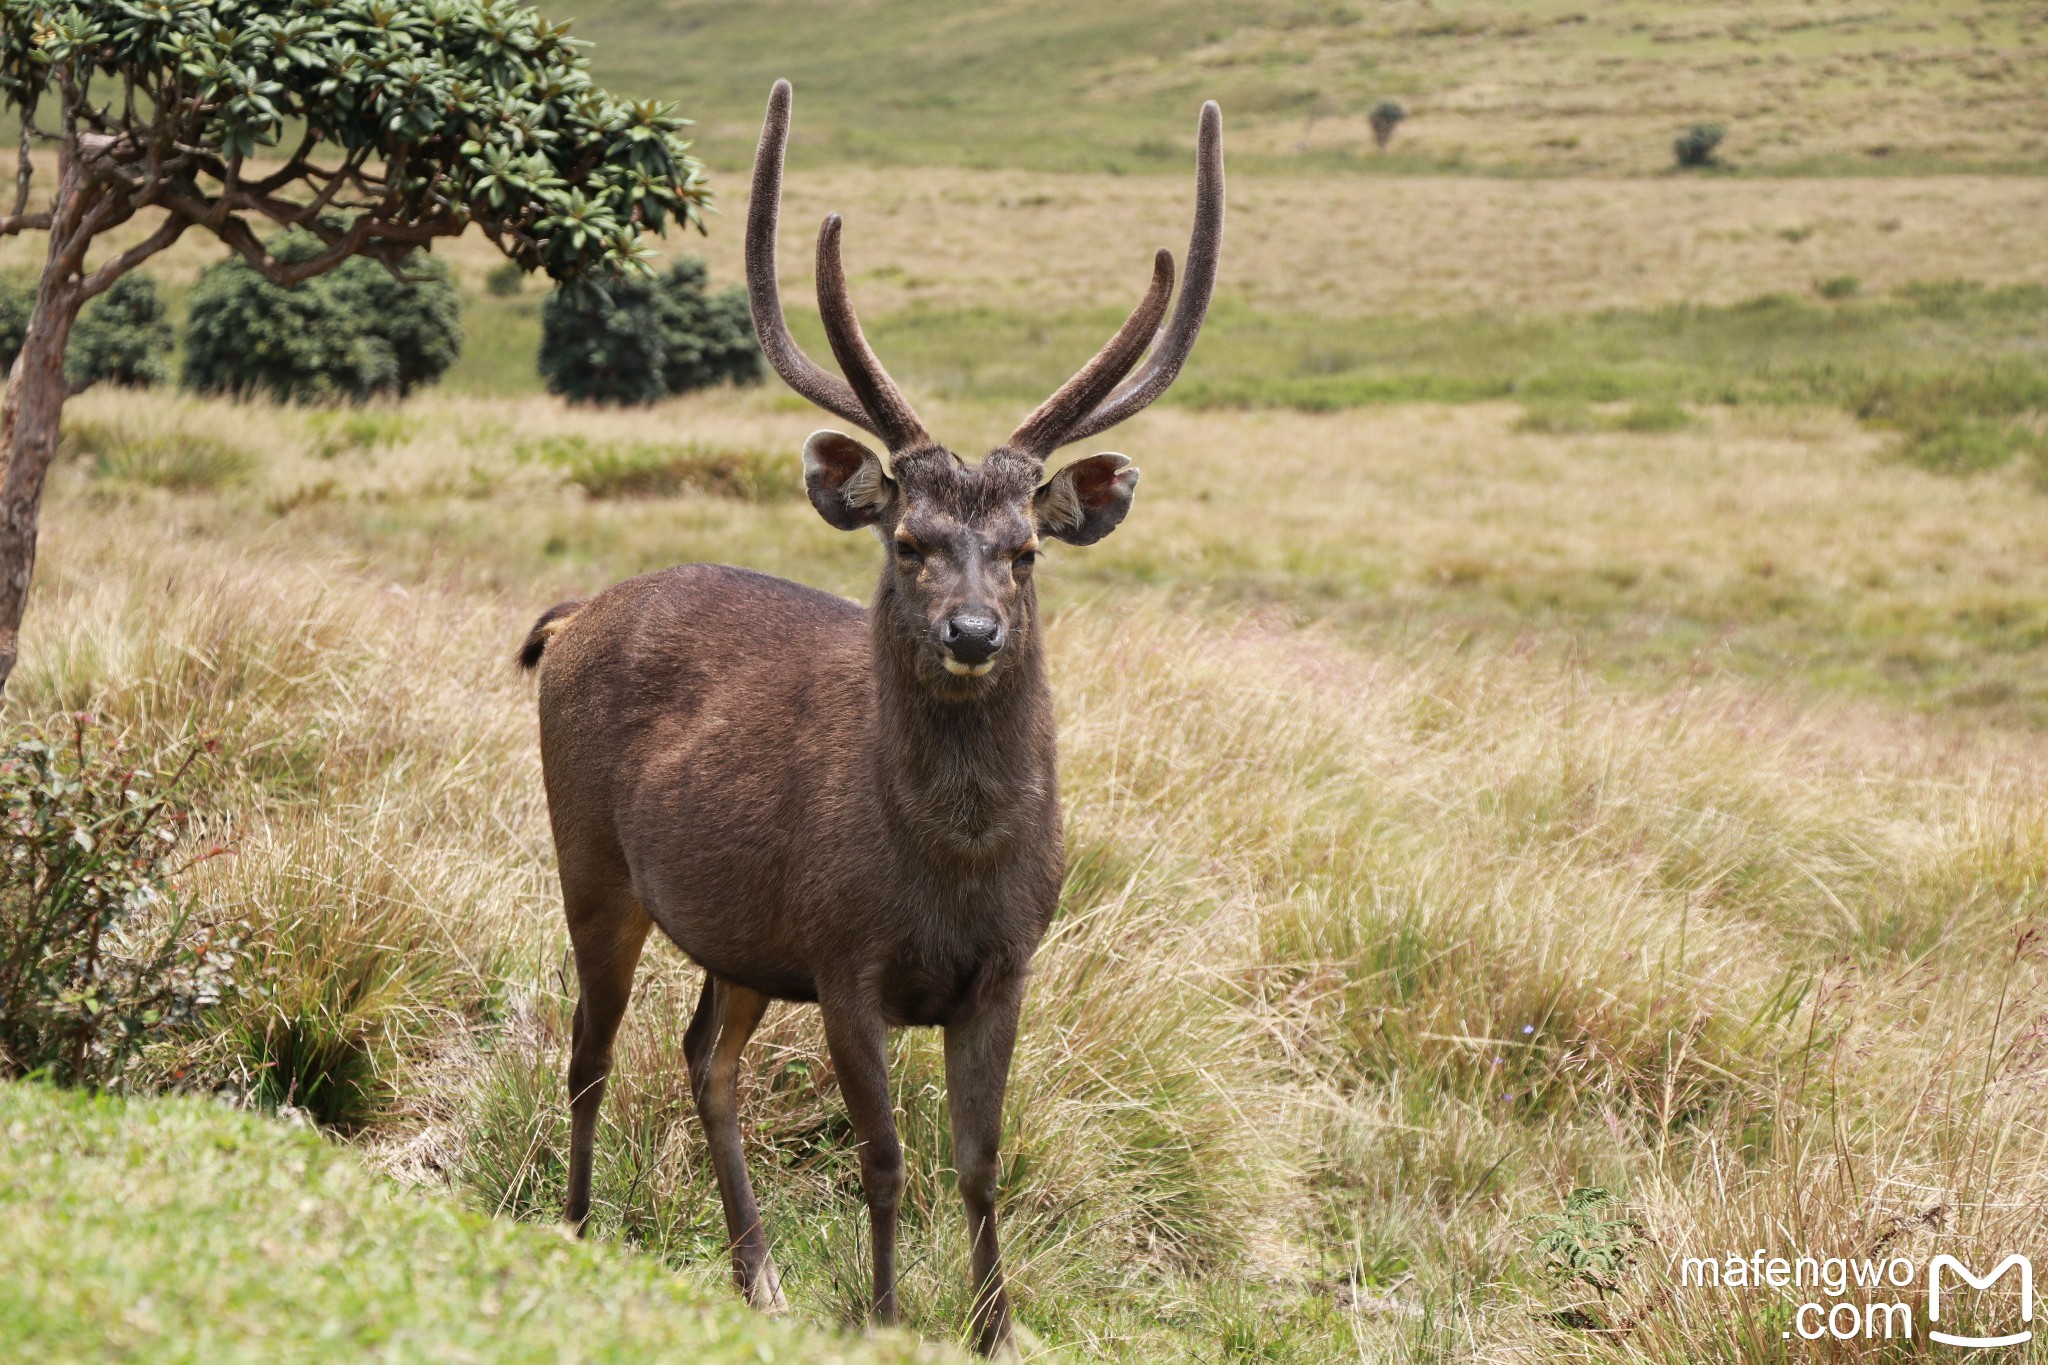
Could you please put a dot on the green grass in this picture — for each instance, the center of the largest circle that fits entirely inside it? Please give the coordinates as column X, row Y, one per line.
column 1492, row 88
column 1957, row 366
column 179, row 1230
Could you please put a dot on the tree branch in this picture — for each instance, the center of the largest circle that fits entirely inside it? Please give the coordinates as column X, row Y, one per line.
column 24, row 166
column 172, row 228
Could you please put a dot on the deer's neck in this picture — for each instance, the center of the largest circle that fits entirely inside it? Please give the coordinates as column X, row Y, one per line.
column 968, row 779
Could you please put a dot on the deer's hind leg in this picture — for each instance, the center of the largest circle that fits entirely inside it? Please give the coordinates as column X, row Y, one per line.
column 727, row 1015
column 607, row 928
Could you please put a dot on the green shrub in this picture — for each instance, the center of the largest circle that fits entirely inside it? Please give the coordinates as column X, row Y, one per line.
column 636, row 341
column 1694, row 148
column 122, row 337
column 649, row 469
column 505, row 280
column 1838, row 287
column 1386, row 116
column 352, row 333
column 101, row 954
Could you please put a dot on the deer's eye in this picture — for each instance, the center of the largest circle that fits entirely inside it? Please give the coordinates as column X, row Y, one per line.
column 1025, row 559
column 908, row 554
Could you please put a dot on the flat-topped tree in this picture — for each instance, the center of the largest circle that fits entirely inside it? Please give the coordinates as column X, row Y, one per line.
column 377, row 125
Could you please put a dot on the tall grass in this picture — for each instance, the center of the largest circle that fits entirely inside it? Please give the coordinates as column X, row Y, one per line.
column 1365, row 960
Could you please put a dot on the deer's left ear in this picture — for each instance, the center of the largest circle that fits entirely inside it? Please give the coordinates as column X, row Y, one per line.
column 1084, row 501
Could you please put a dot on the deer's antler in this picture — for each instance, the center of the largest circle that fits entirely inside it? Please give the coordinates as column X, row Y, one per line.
column 1080, row 409
column 871, row 400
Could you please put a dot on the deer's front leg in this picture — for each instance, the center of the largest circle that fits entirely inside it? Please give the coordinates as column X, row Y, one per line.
column 977, row 1071
column 858, row 1040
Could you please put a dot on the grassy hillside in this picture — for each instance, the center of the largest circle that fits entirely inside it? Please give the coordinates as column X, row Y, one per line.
column 1462, row 810
column 1502, row 86
column 177, row 1230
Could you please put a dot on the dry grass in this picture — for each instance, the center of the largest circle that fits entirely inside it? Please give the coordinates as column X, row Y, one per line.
column 1340, row 246
column 1373, row 946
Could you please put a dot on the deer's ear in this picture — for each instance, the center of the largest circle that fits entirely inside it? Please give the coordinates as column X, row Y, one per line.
column 1084, row 501
column 846, row 481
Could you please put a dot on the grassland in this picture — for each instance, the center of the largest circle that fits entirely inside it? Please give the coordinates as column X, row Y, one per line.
column 1460, row 813
column 1544, row 87
column 1568, row 708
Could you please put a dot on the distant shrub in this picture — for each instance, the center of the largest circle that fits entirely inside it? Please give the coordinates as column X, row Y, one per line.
column 636, row 341
column 176, row 459
column 1695, row 147
column 646, row 469
column 1838, row 287
column 352, row 333
column 122, row 337
column 1386, row 116
column 505, row 280
column 101, row 954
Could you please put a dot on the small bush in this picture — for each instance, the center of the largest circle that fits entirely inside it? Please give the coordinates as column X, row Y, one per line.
column 101, row 954
column 1386, row 116
column 122, row 337
column 636, row 341
column 505, row 280
column 1838, row 287
column 647, row 469
column 352, row 333
column 1695, row 147
column 178, row 460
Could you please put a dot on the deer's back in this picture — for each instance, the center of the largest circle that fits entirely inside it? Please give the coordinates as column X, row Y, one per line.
column 703, row 735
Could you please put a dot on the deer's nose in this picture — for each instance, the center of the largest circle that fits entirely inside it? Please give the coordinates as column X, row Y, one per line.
column 972, row 635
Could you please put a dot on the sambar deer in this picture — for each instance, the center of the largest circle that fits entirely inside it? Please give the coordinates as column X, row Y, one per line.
column 822, row 803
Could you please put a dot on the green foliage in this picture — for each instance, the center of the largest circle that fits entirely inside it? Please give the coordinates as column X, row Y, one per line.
column 1838, row 287
column 122, row 337
column 483, row 111
column 1961, row 422
column 505, row 280
column 1694, row 148
column 177, row 460
column 1386, row 116
column 635, row 341
column 352, row 333
column 1583, row 1247
column 101, row 954
column 650, row 469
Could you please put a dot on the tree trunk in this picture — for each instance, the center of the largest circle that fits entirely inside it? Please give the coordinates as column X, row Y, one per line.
column 29, row 422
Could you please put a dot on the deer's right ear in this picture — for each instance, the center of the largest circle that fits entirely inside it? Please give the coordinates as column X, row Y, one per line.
column 846, row 481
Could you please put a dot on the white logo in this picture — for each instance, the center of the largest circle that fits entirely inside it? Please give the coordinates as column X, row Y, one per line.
column 2026, row 1269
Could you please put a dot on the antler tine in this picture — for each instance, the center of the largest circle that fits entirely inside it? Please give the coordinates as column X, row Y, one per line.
column 895, row 421
column 798, row 370
column 1205, row 246
column 1045, row 430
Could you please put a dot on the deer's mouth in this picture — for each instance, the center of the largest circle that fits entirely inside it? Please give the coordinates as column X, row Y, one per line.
column 960, row 670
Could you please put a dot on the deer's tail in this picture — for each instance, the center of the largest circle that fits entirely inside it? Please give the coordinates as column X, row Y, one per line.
column 551, row 621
